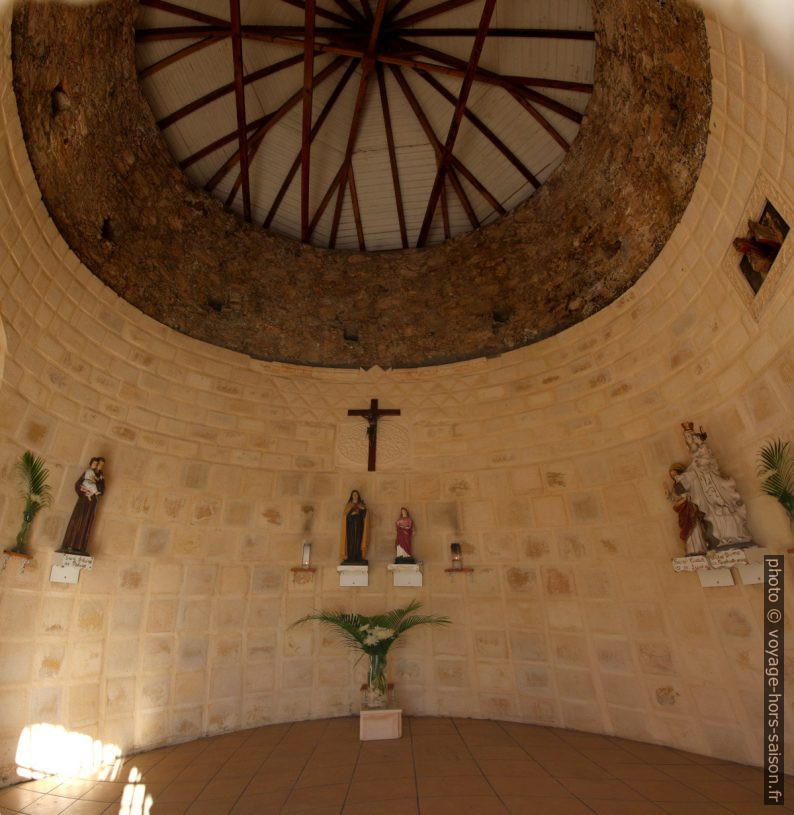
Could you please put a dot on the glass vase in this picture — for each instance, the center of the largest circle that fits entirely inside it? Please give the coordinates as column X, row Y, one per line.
column 22, row 535
column 377, row 689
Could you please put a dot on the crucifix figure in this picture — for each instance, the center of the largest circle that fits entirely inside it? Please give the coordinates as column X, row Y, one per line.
column 372, row 414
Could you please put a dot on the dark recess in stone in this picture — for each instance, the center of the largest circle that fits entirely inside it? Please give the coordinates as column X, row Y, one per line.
column 60, row 99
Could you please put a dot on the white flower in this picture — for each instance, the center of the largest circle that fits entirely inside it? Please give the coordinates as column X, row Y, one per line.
column 381, row 633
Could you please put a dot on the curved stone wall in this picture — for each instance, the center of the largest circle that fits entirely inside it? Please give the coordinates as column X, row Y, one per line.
column 170, row 250
column 548, row 463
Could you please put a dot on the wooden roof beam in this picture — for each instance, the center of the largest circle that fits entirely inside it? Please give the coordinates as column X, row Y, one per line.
column 457, row 118
column 426, row 14
column 265, row 125
column 349, row 71
column 239, row 99
column 384, row 103
column 524, row 33
column 367, row 64
column 306, row 122
column 177, row 55
column 435, row 143
column 190, row 107
column 187, row 13
column 485, row 130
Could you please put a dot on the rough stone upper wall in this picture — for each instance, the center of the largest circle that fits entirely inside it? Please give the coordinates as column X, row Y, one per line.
column 170, row 250
column 548, row 463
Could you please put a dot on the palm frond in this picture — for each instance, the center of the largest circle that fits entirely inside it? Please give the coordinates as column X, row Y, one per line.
column 776, row 468
column 348, row 626
column 33, row 476
column 354, row 628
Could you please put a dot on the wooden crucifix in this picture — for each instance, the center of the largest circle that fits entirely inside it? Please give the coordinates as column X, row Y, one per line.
column 372, row 414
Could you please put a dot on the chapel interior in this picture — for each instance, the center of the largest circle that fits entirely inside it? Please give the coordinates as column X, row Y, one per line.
column 517, row 226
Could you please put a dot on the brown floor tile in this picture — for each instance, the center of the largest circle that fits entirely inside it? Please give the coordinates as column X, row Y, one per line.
column 545, row 806
column 397, row 806
column 606, row 807
column 609, row 789
column 669, row 790
column 268, row 803
column 91, row 808
column 436, row 786
column 299, row 800
column 525, row 768
column 73, row 789
column 737, row 772
column 723, row 791
column 270, row 782
column 500, row 752
column 438, row 767
column 108, row 791
column 383, row 789
column 638, row 772
column 445, row 766
column 575, row 769
column 221, row 788
column 681, row 808
column 47, row 805
column 212, row 806
column 455, row 805
column 15, row 797
column 322, row 776
column 686, row 773
column 181, row 791
column 514, row 786
column 384, row 769
column 40, row 784
column 167, row 808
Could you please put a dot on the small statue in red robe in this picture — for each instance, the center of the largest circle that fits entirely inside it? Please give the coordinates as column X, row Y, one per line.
column 405, row 533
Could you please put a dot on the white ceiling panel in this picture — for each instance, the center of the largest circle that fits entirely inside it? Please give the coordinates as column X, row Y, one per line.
column 193, row 75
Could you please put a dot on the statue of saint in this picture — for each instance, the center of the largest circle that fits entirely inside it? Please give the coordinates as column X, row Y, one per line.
column 690, row 518
column 405, row 534
column 723, row 513
column 89, row 488
column 355, row 531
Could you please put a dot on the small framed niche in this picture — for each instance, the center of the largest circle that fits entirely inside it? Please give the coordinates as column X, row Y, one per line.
column 761, row 250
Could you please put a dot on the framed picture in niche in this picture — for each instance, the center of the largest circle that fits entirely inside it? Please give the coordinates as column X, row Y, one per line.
column 760, row 248
column 756, row 259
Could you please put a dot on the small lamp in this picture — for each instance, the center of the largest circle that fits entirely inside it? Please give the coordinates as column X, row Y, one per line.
column 307, row 554
column 457, row 558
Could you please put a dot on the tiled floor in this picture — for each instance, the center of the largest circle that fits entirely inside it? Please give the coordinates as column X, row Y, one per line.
column 438, row 767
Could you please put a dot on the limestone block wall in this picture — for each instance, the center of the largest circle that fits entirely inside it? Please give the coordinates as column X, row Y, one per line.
column 548, row 463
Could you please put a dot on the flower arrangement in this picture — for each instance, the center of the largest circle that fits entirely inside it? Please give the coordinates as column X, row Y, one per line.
column 373, row 637
column 776, row 468
column 35, row 490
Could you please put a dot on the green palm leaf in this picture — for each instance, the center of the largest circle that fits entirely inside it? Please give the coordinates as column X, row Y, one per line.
column 33, row 476
column 352, row 628
column 776, row 467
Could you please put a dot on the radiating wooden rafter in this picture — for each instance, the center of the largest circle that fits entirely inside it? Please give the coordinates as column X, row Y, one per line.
column 457, row 117
column 368, row 34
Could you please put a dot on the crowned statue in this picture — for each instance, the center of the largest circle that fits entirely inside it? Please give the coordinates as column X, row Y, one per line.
column 711, row 513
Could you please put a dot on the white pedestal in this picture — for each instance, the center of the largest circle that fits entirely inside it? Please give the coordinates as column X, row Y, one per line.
column 380, row 724
column 709, row 578
column 406, row 574
column 353, row 575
